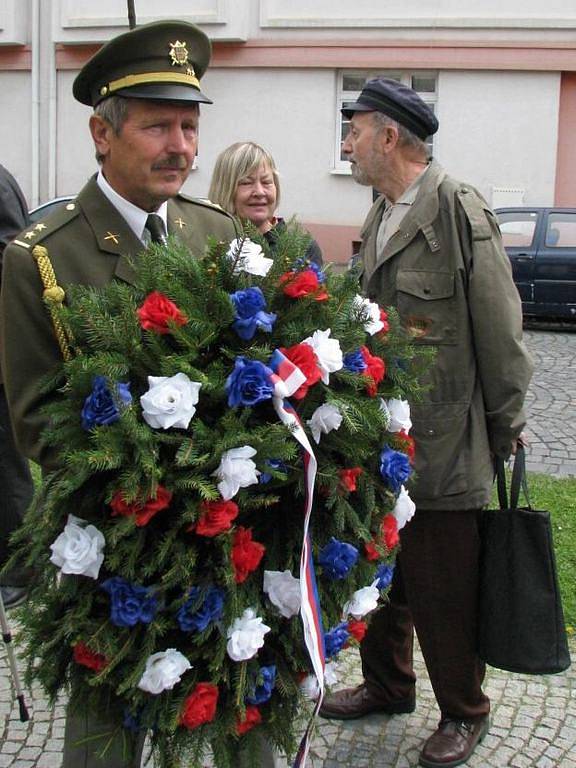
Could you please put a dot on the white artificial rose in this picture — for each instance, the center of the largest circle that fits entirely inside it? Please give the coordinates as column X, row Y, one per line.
column 404, row 509
column 236, row 470
column 249, row 257
column 327, row 351
column 363, row 601
column 283, row 591
column 170, row 401
column 79, row 549
column 163, row 670
column 324, row 419
column 399, row 411
column 371, row 312
column 246, row 636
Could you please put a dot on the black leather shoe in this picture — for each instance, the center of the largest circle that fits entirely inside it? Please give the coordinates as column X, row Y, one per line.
column 352, row 703
column 453, row 742
column 13, row 596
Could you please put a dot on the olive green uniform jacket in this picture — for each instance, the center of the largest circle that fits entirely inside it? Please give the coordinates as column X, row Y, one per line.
column 88, row 243
column 447, row 273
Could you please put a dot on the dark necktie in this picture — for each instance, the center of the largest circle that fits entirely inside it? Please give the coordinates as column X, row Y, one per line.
column 155, row 226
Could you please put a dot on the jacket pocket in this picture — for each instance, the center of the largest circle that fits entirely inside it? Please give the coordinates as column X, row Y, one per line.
column 442, row 459
column 426, row 303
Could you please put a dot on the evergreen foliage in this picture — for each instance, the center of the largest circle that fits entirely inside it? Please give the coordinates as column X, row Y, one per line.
column 166, row 555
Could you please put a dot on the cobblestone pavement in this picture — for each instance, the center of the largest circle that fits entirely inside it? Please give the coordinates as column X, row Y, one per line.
column 551, row 402
column 533, row 718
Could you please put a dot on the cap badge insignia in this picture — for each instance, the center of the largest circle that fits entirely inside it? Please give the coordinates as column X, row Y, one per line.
column 178, row 54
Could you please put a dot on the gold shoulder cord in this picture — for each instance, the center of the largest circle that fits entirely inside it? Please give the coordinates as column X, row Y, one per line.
column 53, row 296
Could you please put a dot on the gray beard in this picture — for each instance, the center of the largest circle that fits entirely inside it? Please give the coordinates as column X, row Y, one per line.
column 359, row 176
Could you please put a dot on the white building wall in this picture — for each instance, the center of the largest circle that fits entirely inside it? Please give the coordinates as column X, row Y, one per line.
column 500, row 129
column 496, row 129
column 15, row 135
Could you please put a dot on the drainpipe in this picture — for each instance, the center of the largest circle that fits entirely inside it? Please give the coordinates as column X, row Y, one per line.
column 50, row 59
column 35, row 106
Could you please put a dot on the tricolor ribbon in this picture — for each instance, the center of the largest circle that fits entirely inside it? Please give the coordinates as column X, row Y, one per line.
column 289, row 379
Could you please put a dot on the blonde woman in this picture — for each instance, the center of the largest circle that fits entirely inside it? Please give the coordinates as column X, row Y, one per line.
column 245, row 183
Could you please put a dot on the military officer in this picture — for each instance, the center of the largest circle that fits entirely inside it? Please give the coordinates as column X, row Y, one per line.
column 144, row 87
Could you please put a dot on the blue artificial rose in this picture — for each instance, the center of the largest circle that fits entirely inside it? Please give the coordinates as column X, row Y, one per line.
column 261, row 687
column 249, row 383
column 130, row 603
column 354, row 362
column 336, row 639
column 302, row 263
column 249, row 305
column 384, row 576
column 395, row 468
column 101, row 407
column 337, row 558
column 202, row 607
column 275, row 464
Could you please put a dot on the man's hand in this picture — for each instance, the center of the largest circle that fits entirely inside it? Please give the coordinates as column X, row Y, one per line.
column 521, row 440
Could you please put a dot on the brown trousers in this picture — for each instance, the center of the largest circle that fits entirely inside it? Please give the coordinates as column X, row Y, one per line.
column 435, row 591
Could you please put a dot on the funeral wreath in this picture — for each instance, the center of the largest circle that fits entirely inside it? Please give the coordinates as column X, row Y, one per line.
column 214, row 417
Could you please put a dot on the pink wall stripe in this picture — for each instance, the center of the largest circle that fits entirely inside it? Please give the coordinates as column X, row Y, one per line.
column 565, row 193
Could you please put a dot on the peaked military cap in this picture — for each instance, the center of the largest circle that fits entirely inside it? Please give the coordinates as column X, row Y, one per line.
column 398, row 102
column 163, row 60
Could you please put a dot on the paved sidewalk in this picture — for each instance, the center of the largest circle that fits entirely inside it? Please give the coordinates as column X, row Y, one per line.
column 533, row 718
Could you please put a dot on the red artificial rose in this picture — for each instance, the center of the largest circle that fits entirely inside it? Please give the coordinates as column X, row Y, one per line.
column 143, row 511
column 390, row 532
column 158, row 311
column 348, row 477
column 216, row 517
column 303, row 356
column 87, row 658
column 252, row 718
column 372, row 552
column 357, row 629
column 406, row 443
column 299, row 284
column 246, row 554
column 384, row 320
column 200, row 706
column 375, row 370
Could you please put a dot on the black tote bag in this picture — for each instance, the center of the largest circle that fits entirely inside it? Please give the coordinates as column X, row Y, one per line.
column 521, row 622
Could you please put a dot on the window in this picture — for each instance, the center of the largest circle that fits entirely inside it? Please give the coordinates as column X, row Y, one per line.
column 561, row 230
column 349, row 86
column 517, row 228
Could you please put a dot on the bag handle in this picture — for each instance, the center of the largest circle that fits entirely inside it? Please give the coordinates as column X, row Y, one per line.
column 518, row 481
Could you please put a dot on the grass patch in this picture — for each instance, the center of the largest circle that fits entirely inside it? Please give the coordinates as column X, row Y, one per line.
column 558, row 497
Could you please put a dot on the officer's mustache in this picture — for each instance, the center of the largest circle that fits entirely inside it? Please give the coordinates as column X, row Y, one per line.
column 171, row 162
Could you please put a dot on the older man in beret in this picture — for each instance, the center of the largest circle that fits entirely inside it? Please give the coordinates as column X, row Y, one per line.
column 144, row 87
column 431, row 247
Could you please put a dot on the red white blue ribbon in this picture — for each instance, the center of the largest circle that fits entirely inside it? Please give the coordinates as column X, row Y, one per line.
column 292, row 377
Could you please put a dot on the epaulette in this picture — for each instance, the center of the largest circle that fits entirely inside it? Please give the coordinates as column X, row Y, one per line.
column 38, row 232
column 203, row 201
column 477, row 212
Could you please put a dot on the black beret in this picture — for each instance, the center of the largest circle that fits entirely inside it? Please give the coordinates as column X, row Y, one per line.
column 163, row 60
column 398, row 102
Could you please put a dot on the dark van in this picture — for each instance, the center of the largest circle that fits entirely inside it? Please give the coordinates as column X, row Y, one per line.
column 541, row 245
